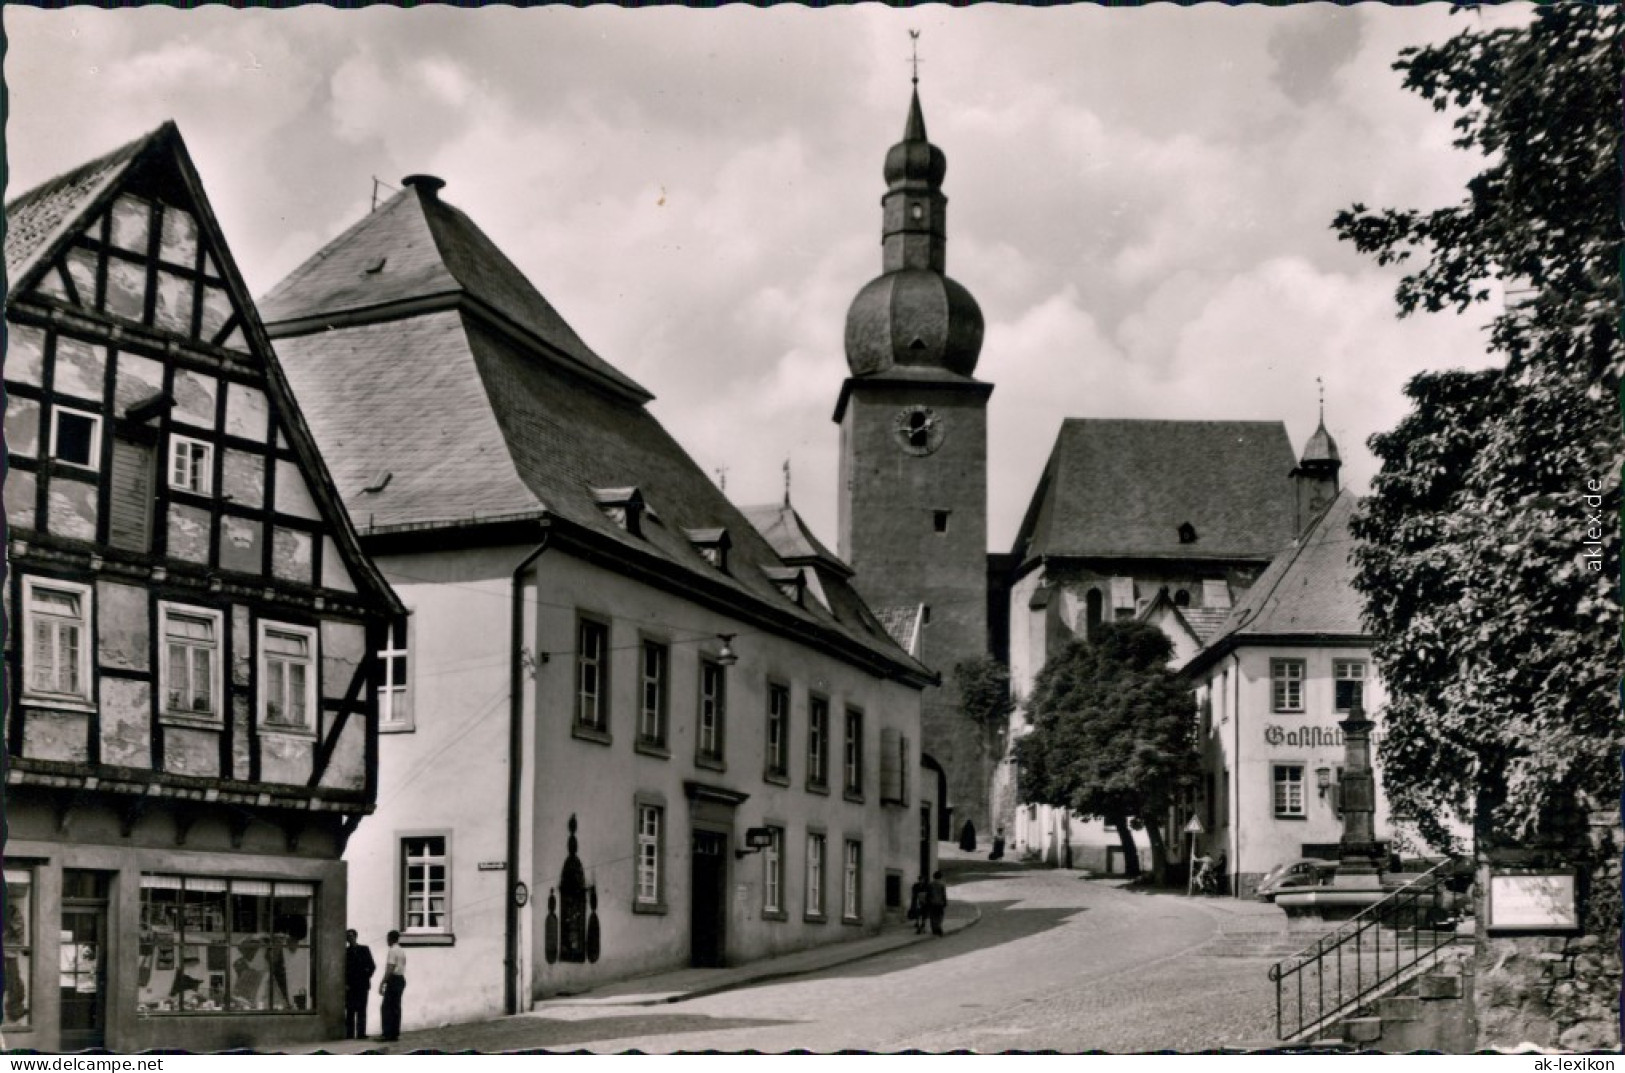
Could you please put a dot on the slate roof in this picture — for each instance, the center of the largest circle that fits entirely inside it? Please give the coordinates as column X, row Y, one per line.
column 902, row 623
column 1307, row 591
column 791, row 538
column 1117, row 488
column 451, row 421
column 416, row 246
column 1204, row 621
column 35, row 219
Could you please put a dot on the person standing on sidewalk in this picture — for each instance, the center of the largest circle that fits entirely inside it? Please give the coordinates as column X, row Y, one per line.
column 394, row 983
column 358, row 970
column 936, row 902
column 918, row 904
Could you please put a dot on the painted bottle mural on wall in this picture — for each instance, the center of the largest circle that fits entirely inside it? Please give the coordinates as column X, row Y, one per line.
column 571, row 932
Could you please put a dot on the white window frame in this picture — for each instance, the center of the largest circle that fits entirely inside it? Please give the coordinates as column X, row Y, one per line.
column 191, row 465
column 818, row 743
column 216, row 715
column 1281, row 778
column 592, row 704
column 95, row 462
column 817, row 859
column 313, row 666
column 852, row 880
column 711, row 739
column 1286, row 689
column 653, row 692
column 649, row 870
column 852, row 754
column 395, row 714
column 1340, row 673
column 428, row 861
column 773, row 872
column 778, row 731
column 79, row 696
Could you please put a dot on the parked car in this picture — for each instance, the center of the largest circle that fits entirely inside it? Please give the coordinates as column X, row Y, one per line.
column 1293, row 874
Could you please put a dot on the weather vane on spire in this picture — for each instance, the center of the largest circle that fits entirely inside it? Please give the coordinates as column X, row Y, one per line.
column 787, row 482
column 1321, row 386
column 914, row 39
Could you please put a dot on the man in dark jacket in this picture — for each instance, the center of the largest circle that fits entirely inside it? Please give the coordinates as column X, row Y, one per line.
column 936, row 902
column 358, row 970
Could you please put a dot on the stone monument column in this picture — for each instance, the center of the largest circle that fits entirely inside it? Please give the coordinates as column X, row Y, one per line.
column 1361, row 864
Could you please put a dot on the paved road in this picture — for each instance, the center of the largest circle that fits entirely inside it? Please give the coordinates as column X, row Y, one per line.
column 1057, row 963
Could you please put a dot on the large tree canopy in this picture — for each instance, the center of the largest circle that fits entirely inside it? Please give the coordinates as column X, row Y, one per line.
column 1489, row 554
column 1113, row 732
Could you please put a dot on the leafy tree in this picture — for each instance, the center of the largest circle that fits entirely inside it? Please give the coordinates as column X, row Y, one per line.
column 984, row 697
column 1489, row 551
column 1113, row 734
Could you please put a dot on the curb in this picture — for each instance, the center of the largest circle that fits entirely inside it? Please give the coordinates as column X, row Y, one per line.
column 849, row 958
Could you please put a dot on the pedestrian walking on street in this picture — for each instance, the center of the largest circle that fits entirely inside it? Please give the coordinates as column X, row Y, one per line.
column 919, row 904
column 358, row 970
column 394, row 983
column 936, row 902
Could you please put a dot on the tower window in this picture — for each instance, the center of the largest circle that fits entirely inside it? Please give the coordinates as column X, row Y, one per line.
column 939, row 521
column 1182, row 598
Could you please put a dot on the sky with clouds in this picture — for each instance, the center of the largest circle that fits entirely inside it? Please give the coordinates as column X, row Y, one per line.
column 1139, row 198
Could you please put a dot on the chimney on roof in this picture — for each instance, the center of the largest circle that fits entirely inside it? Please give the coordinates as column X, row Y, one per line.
column 427, row 185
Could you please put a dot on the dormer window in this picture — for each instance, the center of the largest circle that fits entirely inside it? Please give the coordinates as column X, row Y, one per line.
column 713, row 544
column 623, row 506
column 790, row 581
column 1187, row 533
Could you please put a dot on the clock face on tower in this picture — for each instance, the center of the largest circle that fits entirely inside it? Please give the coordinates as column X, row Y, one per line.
column 918, row 430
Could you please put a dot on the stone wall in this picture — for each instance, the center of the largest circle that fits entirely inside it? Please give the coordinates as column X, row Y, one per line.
column 1558, row 991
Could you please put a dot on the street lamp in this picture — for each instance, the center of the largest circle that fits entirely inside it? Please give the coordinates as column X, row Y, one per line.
column 1323, row 779
column 727, row 657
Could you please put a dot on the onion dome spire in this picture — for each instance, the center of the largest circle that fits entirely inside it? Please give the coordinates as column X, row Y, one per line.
column 913, row 314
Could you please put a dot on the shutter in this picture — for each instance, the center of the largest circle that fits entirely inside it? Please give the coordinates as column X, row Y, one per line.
column 891, row 767
column 902, row 767
column 130, row 500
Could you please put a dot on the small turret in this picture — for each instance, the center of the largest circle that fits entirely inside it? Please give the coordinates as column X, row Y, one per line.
column 1316, row 475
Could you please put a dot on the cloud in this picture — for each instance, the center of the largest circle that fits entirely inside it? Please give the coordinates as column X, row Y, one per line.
column 1311, row 48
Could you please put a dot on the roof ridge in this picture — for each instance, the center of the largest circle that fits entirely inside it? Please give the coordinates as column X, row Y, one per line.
column 28, row 239
column 131, row 148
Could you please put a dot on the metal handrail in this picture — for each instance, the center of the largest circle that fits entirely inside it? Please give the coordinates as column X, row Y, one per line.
column 1417, row 919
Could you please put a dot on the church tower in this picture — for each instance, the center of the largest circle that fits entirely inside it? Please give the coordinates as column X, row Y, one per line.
column 913, row 500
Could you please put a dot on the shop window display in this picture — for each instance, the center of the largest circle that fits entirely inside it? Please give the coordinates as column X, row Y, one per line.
column 211, row 945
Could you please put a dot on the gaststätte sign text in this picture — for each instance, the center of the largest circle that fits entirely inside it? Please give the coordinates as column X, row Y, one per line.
column 1304, row 737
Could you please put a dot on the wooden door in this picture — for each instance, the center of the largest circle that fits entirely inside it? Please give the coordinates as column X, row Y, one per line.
column 708, row 899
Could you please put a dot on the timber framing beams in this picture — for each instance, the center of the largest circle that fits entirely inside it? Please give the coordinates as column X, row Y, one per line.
column 81, row 785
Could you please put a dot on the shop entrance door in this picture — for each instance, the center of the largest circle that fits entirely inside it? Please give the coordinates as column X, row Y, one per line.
column 708, row 898
column 82, row 960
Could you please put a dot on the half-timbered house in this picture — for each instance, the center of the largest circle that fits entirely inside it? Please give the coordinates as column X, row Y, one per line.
column 191, row 725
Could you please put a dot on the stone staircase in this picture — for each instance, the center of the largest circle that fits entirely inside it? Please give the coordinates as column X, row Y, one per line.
column 1428, row 1011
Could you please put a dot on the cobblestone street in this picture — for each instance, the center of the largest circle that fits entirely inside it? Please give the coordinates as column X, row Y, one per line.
column 1057, row 962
